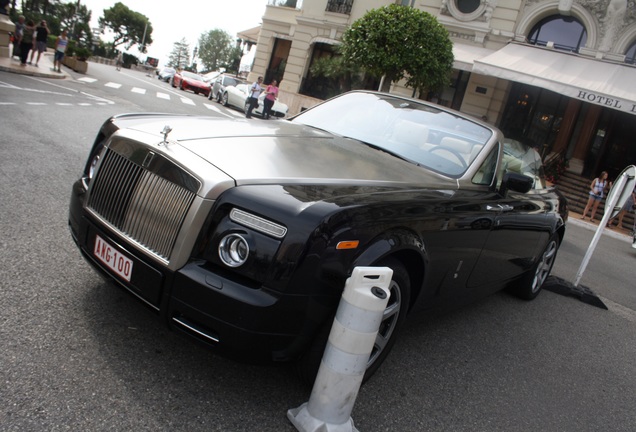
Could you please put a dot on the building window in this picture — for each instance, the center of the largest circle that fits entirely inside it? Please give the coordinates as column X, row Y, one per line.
column 339, row 6
column 630, row 55
column 469, row 10
column 468, row 6
column 564, row 32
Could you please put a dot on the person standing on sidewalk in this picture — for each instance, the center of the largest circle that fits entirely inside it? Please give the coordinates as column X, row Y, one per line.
column 271, row 94
column 17, row 36
column 60, row 48
column 597, row 192
column 627, row 207
column 41, row 36
column 255, row 92
column 26, row 41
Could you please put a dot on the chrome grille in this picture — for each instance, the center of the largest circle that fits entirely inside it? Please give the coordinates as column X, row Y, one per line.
column 142, row 205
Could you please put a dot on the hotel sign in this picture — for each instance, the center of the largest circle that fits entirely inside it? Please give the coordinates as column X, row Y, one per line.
column 595, row 98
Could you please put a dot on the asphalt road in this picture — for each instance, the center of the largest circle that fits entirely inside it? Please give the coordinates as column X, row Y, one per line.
column 81, row 355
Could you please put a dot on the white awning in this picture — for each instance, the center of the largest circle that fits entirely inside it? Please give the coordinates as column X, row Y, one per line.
column 465, row 55
column 599, row 82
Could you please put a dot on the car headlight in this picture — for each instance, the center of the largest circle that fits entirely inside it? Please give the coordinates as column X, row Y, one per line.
column 233, row 250
column 92, row 166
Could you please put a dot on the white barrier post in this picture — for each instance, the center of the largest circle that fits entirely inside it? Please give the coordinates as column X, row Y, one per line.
column 344, row 361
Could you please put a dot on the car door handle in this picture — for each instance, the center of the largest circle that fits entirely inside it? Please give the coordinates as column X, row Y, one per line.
column 500, row 207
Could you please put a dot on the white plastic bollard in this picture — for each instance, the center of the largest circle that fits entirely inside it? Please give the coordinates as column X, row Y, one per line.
column 344, row 361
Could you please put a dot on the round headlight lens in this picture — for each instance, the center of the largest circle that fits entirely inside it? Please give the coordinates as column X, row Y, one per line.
column 233, row 250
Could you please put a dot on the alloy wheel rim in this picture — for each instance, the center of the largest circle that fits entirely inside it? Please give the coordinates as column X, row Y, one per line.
column 545, row 266
column 388, row 324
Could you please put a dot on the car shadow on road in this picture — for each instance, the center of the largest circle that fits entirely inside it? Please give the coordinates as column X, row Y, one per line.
column 174, row 379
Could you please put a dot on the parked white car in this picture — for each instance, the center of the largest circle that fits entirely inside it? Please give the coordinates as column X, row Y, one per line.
column 236, row 96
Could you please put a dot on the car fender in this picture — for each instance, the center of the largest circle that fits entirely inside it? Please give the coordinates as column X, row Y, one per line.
column 405, row 246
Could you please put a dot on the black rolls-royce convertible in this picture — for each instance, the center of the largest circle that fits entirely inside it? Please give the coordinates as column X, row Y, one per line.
column 242, row 233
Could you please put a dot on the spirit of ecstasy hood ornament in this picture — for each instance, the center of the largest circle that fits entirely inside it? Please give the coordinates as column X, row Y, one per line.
column 166, row 130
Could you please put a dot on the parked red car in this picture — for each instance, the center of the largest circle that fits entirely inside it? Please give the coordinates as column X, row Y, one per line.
column 190, row 81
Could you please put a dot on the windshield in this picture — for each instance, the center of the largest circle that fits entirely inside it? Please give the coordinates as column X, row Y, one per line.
column 420, row 133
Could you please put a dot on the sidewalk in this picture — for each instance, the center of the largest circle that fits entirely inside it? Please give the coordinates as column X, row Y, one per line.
column 614, row 231
column 44, row 69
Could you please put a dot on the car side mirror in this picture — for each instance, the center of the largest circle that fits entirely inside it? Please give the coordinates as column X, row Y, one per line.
column 515, row 182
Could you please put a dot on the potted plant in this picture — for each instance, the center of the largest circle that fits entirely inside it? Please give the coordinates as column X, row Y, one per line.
column 81, row 55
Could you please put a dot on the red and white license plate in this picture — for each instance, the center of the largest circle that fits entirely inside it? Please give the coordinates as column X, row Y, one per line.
column 121, row 265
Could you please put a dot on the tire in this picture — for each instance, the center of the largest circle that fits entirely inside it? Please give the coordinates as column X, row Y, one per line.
column 224, row 101
column 530, row 286
column 392, row 321
column 172, row 83
column 181, row 86
column 246, row 106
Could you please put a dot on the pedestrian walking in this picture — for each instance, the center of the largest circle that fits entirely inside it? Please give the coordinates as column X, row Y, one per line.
column 118, row 62
column 627, row 207
column 596, row 194
column 41, row 36
column 60, row 48
column 255, row 92
column 271, row 94
column 26, row 41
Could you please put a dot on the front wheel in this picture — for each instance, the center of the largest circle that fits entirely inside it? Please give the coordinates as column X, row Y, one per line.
column 224, row 100
column 392, row 320
column 530, row 286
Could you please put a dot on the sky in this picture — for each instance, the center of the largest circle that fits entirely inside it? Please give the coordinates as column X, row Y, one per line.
column 173, row 20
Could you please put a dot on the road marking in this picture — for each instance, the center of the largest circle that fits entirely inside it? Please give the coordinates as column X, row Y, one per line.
column 620, row 310
column 138, row 90
column 187, row 101
column 63, row 104
column 163, row 95
column 84, row 104
column 7, row 103
column 236, row 113
column 87, row 80
column 112, row 85
column 98, row 99
column 7, row 85
column 36, row 103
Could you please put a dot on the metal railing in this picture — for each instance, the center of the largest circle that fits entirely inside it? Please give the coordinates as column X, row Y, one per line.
column 340, row 6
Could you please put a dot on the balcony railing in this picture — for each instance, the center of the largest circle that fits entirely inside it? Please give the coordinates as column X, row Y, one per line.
column 339, row 6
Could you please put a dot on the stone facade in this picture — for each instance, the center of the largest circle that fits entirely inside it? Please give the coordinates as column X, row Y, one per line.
column 610, row 25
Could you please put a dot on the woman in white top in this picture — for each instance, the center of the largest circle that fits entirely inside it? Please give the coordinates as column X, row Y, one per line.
column 597, row 192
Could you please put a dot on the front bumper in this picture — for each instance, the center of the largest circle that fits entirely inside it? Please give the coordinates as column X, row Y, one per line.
column 244, row 322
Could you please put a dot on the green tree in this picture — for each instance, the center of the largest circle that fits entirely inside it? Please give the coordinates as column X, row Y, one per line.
column 215, row 49
column 76, row 20
column 130, row 27
column 401, row 42
column 179, row 57
column 339, row 75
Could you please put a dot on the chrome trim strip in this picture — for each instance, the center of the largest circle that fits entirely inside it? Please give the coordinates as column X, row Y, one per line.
column 195, row 330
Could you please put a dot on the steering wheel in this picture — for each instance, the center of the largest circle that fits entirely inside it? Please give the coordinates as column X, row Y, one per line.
column 452, row 151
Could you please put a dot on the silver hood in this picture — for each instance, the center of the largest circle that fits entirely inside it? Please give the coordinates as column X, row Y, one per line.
column 266, row 152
